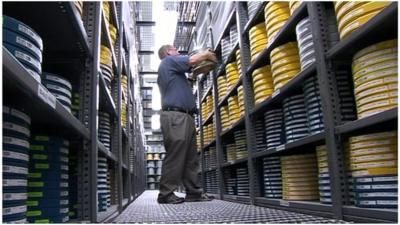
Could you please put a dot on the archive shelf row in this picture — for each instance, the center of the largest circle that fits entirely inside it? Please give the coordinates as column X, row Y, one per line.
column 331, row 58
column 73, row 34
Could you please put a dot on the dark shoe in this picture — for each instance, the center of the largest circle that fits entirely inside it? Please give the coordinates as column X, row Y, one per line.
column 199, row 198
column 170, row 199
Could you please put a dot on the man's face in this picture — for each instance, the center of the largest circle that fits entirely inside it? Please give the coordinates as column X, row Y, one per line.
column 173, row 51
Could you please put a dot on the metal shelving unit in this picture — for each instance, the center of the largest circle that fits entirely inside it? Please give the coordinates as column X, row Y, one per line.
column 72, row 45
column 154, row 176
column 335, row 130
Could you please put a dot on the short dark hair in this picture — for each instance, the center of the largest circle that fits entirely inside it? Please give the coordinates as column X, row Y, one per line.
column 163, row 51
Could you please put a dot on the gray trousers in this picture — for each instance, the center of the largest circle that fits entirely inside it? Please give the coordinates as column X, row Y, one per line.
column 181, row 163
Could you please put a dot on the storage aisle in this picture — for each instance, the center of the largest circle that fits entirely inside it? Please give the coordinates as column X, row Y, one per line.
column 72, row 147
column 299, row 116
column 145, row 209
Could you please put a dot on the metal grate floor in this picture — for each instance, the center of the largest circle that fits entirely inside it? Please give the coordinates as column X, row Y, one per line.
column 145, row 209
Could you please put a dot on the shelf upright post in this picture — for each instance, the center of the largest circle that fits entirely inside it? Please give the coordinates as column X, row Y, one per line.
column 203, row 177
column 118, row 52
column 129, row 117
column 90, row 109
column 133, row 138
column 241, row 19
column 217, row 122
column 330, row 106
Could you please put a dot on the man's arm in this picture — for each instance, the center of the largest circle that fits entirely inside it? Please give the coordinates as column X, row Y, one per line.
column 203, row 56
column 200, row 57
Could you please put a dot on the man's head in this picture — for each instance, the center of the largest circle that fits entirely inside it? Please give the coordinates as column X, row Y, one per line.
column 167, row 50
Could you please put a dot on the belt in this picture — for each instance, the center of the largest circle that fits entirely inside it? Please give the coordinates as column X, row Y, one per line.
column 177, row 109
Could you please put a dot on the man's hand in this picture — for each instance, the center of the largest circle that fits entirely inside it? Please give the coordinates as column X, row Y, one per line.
column 200, row 57
column 211, row 56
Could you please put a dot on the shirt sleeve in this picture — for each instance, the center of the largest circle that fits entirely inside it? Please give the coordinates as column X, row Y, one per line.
column 181, row 64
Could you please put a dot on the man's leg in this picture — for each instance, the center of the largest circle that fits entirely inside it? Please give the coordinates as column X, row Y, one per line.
column 190, row 176
column 175, row 136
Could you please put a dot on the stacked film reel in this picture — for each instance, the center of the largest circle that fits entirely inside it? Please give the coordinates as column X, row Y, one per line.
column 210, row 104
column 313, row 105
column 24, row 44
column 225, row 119
column 124, row 106
column 295, row 117
column 113, row 33
column 258, row 40
column 231, row 184
column 124, row 115
column 242, row 179
column 240, row 144
column 124, row 85
column 73, row 187
column 103, row 189
column 79, row 7
column 234, row 111
column 252, row 8
column 152, row 186
column 260, row 135
column 272, row 177
column 276, row 15
column 274, row 128
column 373, row 164
column 211, row 182
column 48, row 187
column 16, row 134
column 232, row 75
column 231, row 152
column 333, row 32
column 300, row 177
column 204, row 110
column 262, row 84
column 233, row 34
column 112, row 29
column 346, row 96
column 375, row 78
column 156, row 156
column 241, row 100
column 104, row 134
column 350, row 183
column 106, row 65
column 222, row 87
column 285, row 63
column 151, row 164
column 324, row 182
column 213, row 157
column 305, row 43
column 209, row 133
column 212, row 131
column 151, row 171
column 60, row 87
column 106, row 11
column 151, row 179
column 293, row 5
column 198, row 141
column 207, row 159
column 76, row 103
column 226, row 48
column 239, row 62
column 353, row 15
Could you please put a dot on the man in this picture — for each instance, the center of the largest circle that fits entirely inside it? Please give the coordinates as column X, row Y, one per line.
column 181, row 162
